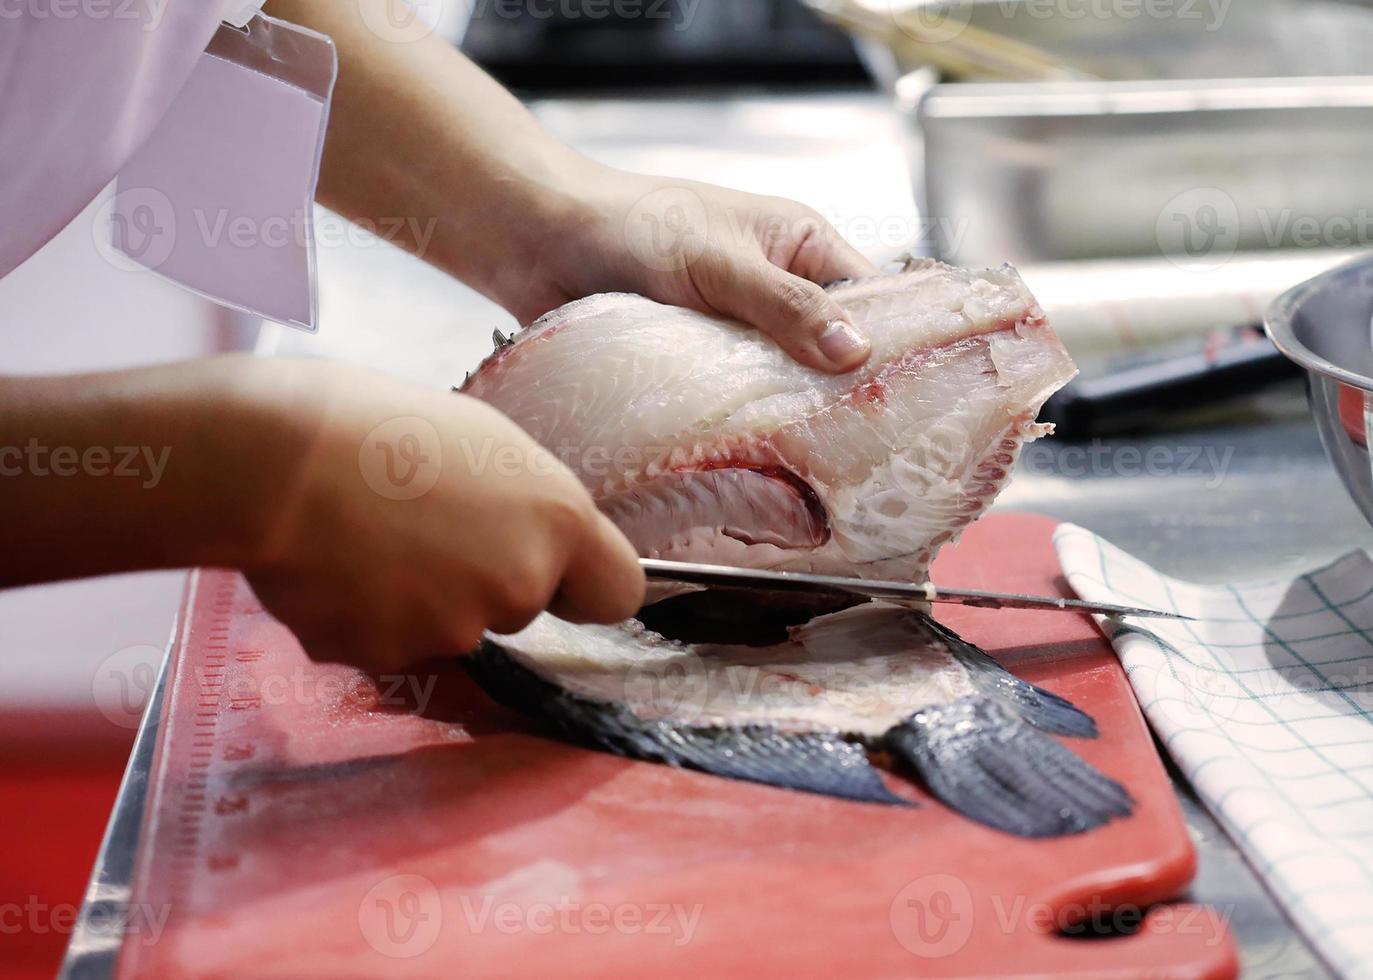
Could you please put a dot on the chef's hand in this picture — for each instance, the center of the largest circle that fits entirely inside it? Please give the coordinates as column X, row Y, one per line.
column 416, row 520
column 423, row 143
column 384, row 524
column 748, row 257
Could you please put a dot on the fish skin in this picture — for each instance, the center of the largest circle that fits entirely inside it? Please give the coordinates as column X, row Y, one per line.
column 704, row 441
column 817, row 762
column 714, row 446
column 804, row 714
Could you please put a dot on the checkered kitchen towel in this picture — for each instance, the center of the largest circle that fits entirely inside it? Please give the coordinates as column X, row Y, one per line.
column 1266, row 703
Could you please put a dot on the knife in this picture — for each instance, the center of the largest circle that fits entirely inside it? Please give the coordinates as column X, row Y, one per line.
column 723, row 576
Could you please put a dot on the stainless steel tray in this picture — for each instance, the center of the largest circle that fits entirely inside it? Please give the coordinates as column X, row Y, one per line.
column 1257, row 134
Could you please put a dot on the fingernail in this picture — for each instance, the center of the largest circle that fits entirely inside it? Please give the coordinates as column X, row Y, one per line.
column 842, row 343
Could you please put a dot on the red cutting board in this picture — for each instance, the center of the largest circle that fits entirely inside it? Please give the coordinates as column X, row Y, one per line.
column 305, row 821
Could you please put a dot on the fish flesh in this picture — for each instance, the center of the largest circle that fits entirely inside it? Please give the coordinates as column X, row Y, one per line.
column 703, row 441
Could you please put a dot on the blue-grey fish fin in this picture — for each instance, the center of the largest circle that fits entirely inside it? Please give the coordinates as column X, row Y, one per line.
column 980, row 758
column 823, row 763
column 820, row 762
column 1044, row 709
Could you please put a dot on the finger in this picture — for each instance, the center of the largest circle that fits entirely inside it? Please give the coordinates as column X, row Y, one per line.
column 804, row 320
column 824, row 257
column 603, row 582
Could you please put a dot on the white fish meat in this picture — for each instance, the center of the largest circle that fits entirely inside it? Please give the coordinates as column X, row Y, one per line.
column 703, row 441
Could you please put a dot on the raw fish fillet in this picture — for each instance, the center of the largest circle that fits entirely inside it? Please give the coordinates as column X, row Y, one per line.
column 805, row 713
column 703, row 441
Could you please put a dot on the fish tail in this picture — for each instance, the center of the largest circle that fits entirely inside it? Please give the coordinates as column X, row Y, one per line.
column 979, row 757
column 1044, row 709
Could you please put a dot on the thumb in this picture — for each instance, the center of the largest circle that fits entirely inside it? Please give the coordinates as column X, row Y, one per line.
column 804, row 320
column 602, row 582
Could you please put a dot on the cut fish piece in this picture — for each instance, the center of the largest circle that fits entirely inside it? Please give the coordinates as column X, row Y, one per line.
column 804, row 714
column 704, row 442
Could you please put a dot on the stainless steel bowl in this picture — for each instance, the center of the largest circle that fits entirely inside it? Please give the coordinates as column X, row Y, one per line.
column 1326, row 326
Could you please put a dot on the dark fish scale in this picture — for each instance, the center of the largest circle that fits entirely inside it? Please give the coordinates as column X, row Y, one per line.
column 979, row 758
column 1045, row 710
column 818, row 762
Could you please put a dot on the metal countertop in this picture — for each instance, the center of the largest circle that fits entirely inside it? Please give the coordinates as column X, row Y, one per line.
column 1242, row 494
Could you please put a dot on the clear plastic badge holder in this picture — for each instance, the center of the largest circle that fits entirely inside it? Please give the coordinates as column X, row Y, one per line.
column 220, row 198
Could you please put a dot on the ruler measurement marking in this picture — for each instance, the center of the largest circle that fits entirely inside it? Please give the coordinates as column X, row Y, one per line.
column 218, row 661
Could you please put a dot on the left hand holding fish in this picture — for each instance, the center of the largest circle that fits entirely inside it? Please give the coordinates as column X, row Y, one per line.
column 442, row 160
column 749, row 257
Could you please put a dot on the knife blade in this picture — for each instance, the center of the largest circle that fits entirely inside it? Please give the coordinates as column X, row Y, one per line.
column 724, row 576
